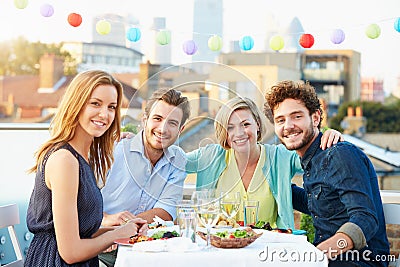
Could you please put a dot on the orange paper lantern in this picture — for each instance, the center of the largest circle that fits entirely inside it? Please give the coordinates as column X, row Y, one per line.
column 74, row 19
column 306, row 40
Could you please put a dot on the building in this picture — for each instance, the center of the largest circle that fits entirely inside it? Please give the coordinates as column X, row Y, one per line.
column 207, row 20
column 46, row 89
column 109, row 57
column 372, row 90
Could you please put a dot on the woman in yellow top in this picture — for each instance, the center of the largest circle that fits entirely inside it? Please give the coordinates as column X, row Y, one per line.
column 239, row 163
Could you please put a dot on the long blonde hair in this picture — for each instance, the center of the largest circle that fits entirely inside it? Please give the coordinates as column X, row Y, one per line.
column 65, row 121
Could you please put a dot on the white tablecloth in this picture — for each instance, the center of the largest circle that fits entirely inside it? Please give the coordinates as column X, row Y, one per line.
column 271, row 249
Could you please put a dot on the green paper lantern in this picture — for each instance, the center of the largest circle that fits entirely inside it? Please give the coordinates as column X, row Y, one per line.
column 276, row 43
column 215, row 43
column 103, row 27
column 373, row 31
column 20, row 4
column 163, row 37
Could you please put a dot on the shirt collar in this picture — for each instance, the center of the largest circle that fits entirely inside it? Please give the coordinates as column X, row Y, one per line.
column 137, row 146
column 305, row 160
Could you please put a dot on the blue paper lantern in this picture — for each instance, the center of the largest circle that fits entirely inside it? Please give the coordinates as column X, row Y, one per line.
column 133, row 34
column 397, row 24
column 189, row 47
column 246, row 43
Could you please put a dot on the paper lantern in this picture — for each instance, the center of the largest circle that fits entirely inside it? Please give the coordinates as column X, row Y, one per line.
column 20, row 4
column 103, row 27
column 189, row 47
column 337, row 36
column 246, row 43
column 306, row 40
column 215, row 43
column 276, row 43
column 163, row 37
column 133, row 34
column 397, row 24
column 74, row 19
column 46, row 10
column 373, row 31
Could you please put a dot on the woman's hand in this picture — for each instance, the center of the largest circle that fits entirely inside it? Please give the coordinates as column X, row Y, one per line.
column 116, row 219
column 127, row 135
column 132, row 227
column 330, row 138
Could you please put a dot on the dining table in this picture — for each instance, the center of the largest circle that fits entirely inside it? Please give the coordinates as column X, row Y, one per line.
column 270, row 249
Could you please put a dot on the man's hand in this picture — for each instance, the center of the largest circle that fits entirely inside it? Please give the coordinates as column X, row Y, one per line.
column 116, row 219
column 336, row 245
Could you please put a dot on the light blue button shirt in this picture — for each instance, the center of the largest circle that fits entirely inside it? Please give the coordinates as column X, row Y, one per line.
column 134, row 185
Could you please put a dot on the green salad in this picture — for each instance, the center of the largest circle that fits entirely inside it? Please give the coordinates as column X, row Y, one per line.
column 237, row 234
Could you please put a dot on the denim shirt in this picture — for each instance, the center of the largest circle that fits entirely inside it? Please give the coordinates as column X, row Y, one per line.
column 342, row 188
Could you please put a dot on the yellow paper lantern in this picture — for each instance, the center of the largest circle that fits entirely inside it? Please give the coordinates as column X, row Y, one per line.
column 373, row 31
column 276, row 43
column 21, row 4
column 103, row 27
column 215, row 43
column 163, row 37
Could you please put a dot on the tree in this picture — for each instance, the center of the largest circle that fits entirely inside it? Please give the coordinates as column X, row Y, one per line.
column 19, row 56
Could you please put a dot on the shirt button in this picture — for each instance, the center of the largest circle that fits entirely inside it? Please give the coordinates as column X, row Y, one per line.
column 315, row 216
column 309, row 195
column 308, row 174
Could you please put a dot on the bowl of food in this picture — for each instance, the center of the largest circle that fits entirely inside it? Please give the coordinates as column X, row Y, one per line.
column 235, row 239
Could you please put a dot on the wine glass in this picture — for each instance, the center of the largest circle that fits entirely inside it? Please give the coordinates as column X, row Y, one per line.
column 229, row 204
column 207, row 209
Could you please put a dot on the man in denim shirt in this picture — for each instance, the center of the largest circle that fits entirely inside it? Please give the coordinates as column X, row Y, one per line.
column 340, row 182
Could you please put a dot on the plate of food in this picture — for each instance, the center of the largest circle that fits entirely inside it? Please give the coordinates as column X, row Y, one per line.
column 159, row 235
column 232, row 239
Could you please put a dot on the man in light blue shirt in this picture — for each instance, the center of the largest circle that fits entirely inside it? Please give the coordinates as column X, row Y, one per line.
column 148, row 172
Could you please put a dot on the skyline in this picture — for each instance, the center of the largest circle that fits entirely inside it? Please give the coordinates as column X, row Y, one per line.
column 378, row 56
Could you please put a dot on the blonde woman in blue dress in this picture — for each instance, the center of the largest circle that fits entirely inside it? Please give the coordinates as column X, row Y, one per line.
column 240, row 163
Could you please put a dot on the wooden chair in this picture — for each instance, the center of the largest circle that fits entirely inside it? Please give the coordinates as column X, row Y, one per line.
column 392, row 216
column 9, row 216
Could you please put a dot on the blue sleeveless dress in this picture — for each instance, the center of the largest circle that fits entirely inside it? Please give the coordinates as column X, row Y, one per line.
column 43, row 248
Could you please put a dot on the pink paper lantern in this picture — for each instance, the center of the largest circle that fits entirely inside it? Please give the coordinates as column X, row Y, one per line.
column 306, row 40
column 46, row 10
column 337, row 36
column 189, row 47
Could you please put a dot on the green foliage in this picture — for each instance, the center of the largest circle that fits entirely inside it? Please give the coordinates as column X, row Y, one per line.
column 384, row 118
column 306, row 224
column 19, row 57
column 129, row 127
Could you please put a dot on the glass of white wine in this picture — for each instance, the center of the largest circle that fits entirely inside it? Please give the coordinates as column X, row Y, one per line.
column 229, row 204
column 207, row 209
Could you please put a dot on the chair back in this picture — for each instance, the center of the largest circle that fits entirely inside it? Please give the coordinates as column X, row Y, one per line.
column 392, row 216
column 9, row 216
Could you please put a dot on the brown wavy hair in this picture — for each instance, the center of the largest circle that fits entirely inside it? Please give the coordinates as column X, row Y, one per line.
column 301, row 91
column 65, row 121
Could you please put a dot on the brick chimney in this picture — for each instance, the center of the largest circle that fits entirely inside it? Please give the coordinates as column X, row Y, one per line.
column 354, row 125
column 51, row 70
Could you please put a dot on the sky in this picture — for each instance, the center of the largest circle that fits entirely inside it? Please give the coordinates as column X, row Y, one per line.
column 379, row 57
